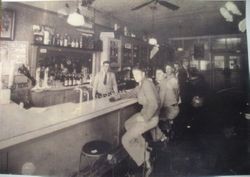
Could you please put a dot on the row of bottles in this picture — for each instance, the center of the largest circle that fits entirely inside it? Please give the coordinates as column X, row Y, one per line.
column 67, row 41
column 47, row 36
column 73, row 80
column 70, row 76
column 60, row 74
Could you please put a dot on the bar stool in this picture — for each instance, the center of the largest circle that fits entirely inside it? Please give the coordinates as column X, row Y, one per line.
column 94, row 149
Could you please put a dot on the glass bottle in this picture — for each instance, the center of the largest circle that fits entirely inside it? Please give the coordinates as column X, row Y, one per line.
column 65, row 40
column 80, row 43
column 70, row 80
column 76, row 43
column 61, row 41
column 73, row 44
column 65, row 80
column 73, row 80
column 57, row 39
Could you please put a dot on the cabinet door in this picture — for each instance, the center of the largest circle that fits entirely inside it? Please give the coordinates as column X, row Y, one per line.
column 71, row 96
column 38, row 99
column 56, row 97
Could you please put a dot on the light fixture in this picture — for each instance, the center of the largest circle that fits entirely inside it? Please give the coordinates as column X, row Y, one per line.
column 226, row 14
column 233, row 8
column 152, row 40
column 76, row 19
column 229, row 10
column 242, row 25
column 180, row 49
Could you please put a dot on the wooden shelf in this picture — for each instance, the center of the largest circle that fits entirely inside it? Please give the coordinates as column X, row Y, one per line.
column 65, row 49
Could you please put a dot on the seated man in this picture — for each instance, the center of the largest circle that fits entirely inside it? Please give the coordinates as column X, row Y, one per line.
column 169, row 96
column 143, row 121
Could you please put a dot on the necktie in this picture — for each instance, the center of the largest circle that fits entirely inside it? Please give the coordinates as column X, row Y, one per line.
column 105, row 79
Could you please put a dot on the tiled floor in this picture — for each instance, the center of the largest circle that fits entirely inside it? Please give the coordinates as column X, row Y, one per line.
column 212, row 141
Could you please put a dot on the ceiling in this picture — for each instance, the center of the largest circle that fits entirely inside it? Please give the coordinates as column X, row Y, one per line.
column 193, row 18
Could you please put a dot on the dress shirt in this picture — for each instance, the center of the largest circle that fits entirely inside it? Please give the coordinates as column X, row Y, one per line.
column 105, row 88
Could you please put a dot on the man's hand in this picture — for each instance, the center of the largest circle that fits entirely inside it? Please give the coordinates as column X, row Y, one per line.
column 114, row 98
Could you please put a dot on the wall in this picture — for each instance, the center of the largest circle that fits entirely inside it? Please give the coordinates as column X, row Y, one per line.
column 26, row 16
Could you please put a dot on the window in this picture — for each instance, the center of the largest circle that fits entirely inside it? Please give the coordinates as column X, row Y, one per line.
column 219, row 43
column 234, row 62
column 219, row 62
column 233, row 43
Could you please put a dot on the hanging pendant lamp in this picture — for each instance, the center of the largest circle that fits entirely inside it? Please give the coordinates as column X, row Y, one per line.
column 152, row 40
column 76, row 19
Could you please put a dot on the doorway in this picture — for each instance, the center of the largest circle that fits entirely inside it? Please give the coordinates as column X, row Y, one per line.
column 226, row 71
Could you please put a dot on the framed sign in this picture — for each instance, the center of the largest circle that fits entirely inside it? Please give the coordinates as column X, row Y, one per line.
column 7, row 28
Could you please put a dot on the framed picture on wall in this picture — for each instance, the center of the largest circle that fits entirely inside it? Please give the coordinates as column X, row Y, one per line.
column 7, row 28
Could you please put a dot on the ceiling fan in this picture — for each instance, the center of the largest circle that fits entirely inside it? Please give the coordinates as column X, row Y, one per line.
column 87, row 3
column 161, row 2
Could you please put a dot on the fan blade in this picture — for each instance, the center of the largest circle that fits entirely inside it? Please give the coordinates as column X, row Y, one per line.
column 168, row 5
column 142, row 5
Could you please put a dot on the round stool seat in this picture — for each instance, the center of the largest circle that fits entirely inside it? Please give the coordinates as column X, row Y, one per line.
column 96, row 148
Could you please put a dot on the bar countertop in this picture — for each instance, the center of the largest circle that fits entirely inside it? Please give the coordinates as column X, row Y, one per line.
column 19, row 125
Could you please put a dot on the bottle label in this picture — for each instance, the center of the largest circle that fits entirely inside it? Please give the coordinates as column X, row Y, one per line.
column 66, row 82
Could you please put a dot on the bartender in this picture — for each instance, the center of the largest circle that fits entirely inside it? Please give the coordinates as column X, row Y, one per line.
column 104, row 82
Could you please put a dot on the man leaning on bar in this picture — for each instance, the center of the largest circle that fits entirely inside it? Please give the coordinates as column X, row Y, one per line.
column 104, row 82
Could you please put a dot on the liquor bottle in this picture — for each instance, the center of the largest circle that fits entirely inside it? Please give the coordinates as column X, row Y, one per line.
column 65, row 80
column 65, row 40
column 73, row 44
column 46, row 39
column 68, row 79
column 77, row 43
column 81, row 79
column 53, row 40
column 78, row 79
column 80, row 43
column 73, row 80
column 61, row 41
column 69, row 41
column 57, row 39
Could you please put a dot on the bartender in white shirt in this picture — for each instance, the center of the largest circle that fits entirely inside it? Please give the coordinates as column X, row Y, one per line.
column 104, row 82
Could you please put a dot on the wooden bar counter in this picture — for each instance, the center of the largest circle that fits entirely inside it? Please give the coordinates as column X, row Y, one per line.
column 52, row 137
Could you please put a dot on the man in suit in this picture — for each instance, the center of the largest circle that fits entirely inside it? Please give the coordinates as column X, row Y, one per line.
column 104, row 82
column 182, row 74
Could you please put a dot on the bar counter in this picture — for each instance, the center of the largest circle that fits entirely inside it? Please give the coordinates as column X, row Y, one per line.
column 58, row 132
